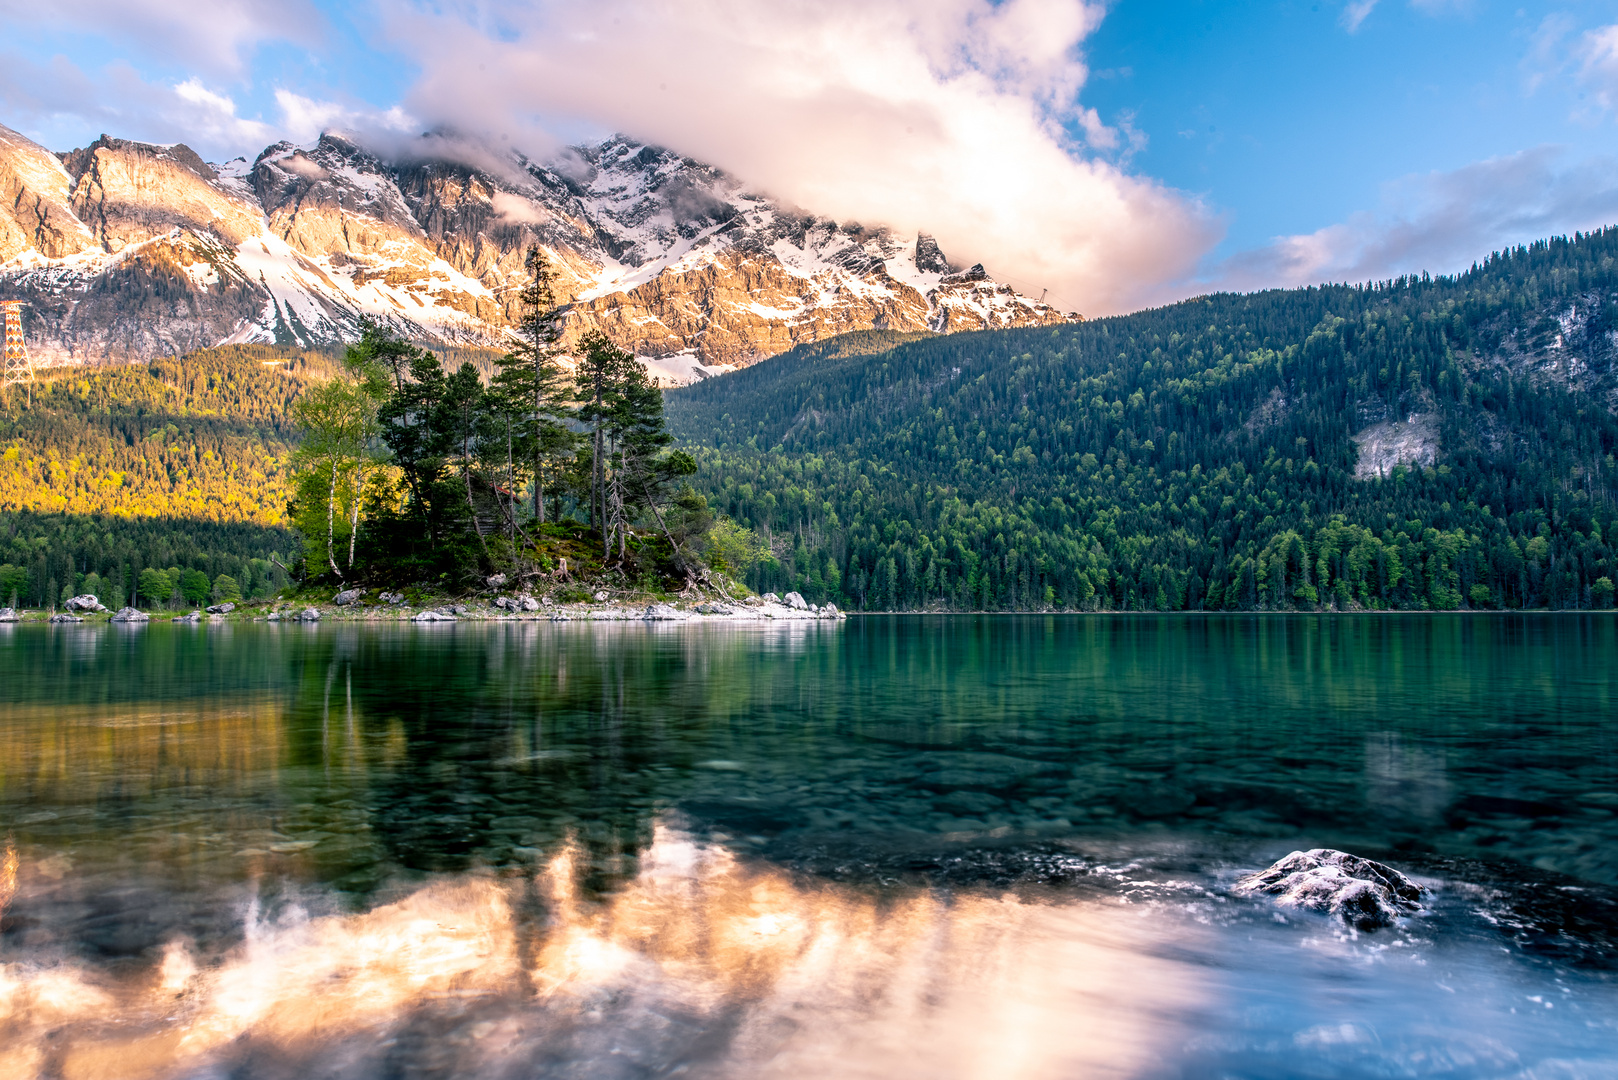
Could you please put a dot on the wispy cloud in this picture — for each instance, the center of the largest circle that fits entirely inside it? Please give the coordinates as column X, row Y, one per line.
column 1440, row 221
column 1355, row 13
column 940, row 115
column 215, row 37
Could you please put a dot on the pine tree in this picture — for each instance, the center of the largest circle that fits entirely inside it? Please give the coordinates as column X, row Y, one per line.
column 530, row 390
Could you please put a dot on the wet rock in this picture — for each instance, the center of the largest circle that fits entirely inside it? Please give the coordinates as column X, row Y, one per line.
column 86, row 602
column 661, row 613
column 195, row 616
column 307, row 615
column 348, row 596
column 432, row 616
column 796, row 602
column 129, row 614
column 1362, row 893
column 220, row 609
column 9, row 615
column 64, row 617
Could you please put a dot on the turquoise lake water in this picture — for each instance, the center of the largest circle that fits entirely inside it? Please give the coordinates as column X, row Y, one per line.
column 985, row 846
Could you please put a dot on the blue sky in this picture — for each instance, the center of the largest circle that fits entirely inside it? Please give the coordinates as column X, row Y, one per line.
column 1119, row 155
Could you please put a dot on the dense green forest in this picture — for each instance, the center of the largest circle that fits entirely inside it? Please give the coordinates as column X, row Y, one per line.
column 1201, row 455
column 1195, row 456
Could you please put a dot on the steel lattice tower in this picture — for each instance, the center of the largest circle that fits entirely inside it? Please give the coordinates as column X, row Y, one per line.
column 19, row 368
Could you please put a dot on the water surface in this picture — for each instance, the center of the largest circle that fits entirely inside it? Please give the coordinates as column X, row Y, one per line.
column 974, row 846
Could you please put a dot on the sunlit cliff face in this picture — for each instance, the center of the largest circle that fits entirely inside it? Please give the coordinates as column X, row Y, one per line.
column 699, row 960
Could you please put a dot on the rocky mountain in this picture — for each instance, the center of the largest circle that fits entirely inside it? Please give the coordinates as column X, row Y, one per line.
column 128, row 250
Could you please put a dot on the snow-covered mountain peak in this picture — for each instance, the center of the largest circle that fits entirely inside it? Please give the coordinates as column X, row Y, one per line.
column 671, row 256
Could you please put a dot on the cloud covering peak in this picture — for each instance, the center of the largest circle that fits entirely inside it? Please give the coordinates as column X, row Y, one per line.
column 945, row 116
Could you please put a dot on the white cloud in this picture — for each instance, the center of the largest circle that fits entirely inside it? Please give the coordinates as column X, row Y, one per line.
column 936, row 115
column 214, row 37
column 1597, row 55
column 56, row 96
column 1356, row 13
column 1440, row 221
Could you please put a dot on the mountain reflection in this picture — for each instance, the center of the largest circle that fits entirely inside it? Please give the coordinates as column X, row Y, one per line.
column 699, row 960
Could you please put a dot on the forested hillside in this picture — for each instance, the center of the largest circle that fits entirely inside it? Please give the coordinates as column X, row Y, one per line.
column 1201, row 455
column 180, row 465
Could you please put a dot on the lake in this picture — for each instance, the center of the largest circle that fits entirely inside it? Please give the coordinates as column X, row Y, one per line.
column 974, row 846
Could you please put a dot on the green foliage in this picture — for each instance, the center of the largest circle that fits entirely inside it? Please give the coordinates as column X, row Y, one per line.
column 155, row 587
column 1197, row 456
column 226, row 590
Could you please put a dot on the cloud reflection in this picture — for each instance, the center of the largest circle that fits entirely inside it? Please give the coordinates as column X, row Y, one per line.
column 700, row 959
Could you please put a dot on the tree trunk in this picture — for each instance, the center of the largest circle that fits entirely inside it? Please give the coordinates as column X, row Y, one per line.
column 331, row 522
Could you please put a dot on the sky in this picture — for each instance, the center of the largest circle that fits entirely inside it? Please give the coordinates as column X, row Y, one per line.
column 1116, row 155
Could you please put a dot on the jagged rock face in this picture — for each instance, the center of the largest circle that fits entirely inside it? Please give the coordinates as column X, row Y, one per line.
column 126, row 250
column 36, row 217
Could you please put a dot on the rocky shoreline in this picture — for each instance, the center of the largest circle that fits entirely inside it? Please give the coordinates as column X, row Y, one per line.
column 356, row 605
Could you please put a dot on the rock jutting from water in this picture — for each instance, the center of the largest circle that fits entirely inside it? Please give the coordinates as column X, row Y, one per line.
column 129, row 614
column 1364, row 894
column 86, row 602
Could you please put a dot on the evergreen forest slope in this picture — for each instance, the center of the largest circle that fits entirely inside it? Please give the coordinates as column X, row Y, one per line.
column 1423, row 442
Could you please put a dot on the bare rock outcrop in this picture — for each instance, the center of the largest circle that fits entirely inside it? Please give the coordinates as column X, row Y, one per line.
column 128, row 250
column 1363, row 894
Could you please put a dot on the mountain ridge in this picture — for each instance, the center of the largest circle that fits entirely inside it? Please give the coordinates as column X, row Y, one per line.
column 127, row 250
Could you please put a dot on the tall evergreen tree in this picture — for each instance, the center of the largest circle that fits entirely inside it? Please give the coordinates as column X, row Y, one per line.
column 530, row 388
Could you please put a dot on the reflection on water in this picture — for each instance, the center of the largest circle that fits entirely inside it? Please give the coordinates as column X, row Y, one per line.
column 974, row 847
column 696, row 961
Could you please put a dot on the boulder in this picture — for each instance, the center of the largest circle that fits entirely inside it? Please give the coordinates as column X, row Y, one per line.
column 432, row 616
column 307, row 615
column 795, row 601
column 713, row 609
column 1362, row 893
column 547, row 601
column 461, row 609
column 9, row 615
column 770, row 598
column 497, row 581
column 348, row 596
column 195, row 616
column 86, row 602
column 830, row 611
column 220, row 609
column 601, row 596
column 529, row 603
column 65, row 617
column 391, row 597
column 661, row 613
column 129, row 614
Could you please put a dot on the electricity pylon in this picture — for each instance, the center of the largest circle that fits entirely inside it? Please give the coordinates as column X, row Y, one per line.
column 19, row 368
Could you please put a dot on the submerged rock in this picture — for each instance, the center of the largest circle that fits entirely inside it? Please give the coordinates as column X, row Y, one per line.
column 87, row 602
column 1364, row 894
column 129, row 614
